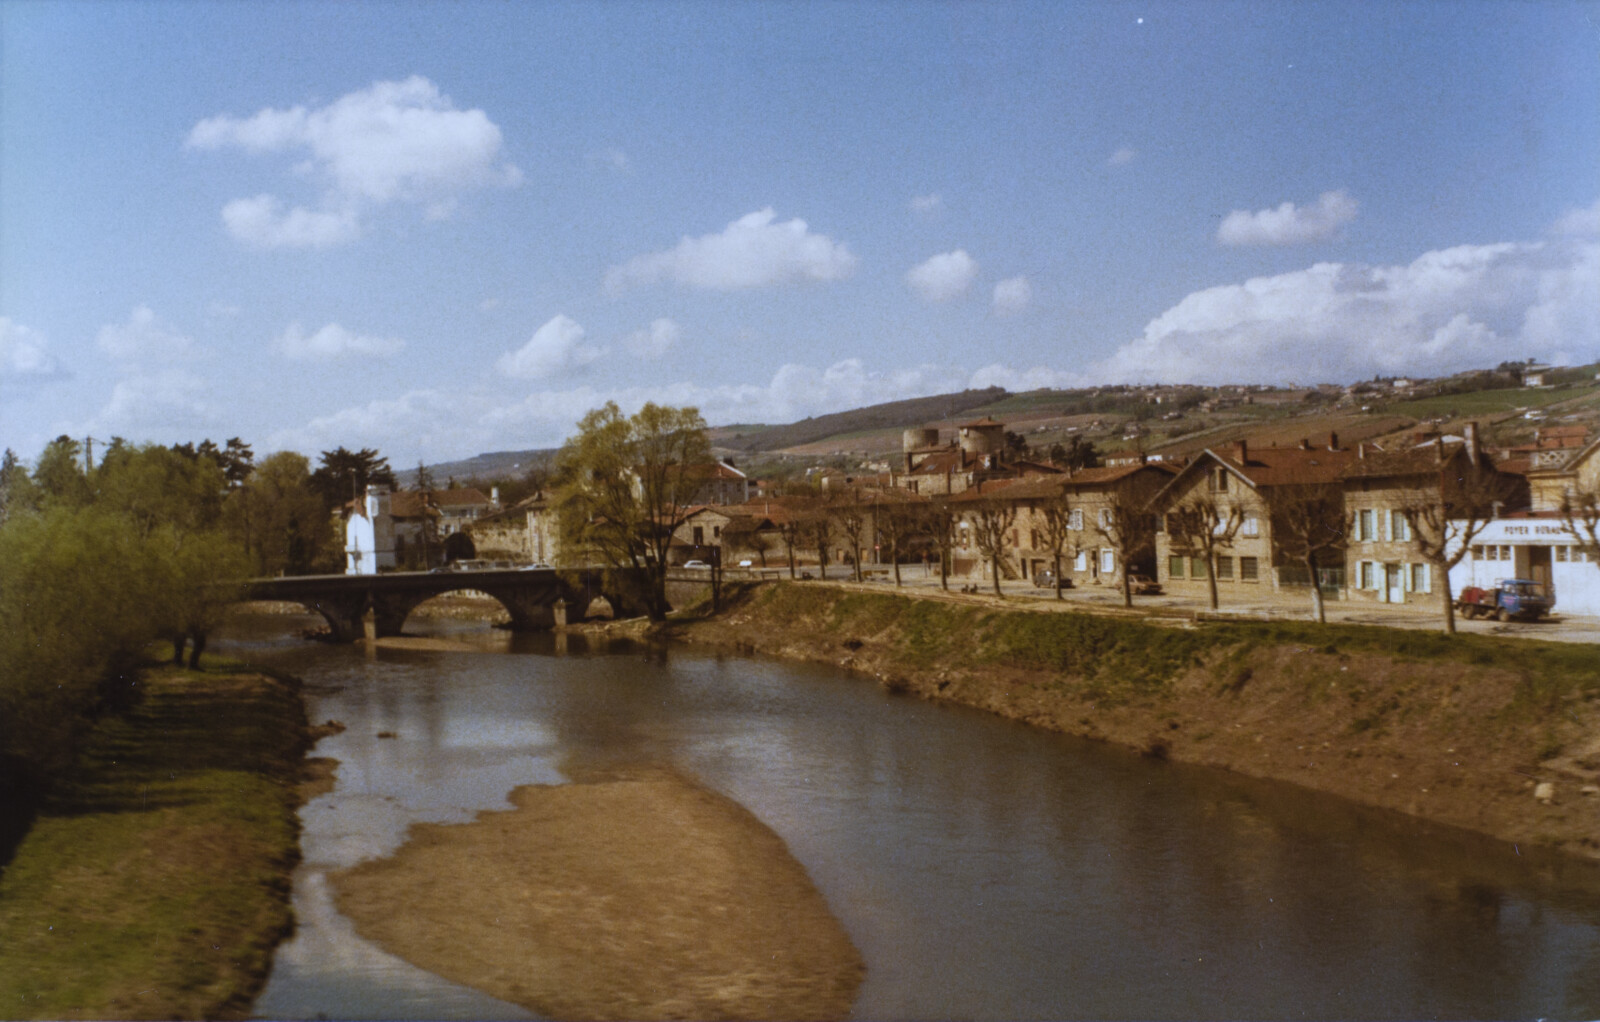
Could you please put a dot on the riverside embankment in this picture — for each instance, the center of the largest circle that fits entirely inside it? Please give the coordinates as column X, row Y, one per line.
column 154, row 882
column 1500, row 736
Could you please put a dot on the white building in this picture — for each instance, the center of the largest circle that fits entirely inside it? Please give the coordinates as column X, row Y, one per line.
column 1533, row 545
column 369, row 535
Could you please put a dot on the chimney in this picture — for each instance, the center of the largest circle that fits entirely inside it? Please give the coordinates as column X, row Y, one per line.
column 1333, row 441
column 1470, row 434
column 1241, row 450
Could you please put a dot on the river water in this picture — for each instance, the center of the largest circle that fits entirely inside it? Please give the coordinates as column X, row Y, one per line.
column 983, row 868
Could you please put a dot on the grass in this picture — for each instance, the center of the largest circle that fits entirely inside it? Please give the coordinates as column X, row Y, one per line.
column 1479, row 402
column 154, row 882
column 1131, row 656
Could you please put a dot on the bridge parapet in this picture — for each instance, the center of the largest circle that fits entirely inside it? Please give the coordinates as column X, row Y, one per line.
column 529, row 596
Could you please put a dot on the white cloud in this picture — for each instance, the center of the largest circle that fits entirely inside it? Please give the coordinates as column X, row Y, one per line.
column 334, row 341
column 143, row 338
column 655, row 340
column 24, row 355
column 1121, row 157
column 428, row 424
column 262, row 221
column 753, row 251
column 393, row 142
column 614, row 158
column 927, row 203
column 555, row 348
column 1012, row 296
column 1289, row 224
column 1584, row 223
column 169, row 404
column 1448, row 310
column 1023, row 380
column 943, row 277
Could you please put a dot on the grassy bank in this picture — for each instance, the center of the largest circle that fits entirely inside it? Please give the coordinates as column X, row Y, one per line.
column 154, row 882
column 1497, row 735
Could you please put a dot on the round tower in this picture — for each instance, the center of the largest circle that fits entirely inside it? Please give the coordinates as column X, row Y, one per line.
column 916, row 439
column 984, row 436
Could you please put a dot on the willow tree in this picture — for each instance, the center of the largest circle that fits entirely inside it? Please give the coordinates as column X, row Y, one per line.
column 626, row 486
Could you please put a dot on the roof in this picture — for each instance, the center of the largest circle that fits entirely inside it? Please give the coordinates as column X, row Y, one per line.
column 716, row 470
column 463, row 496
column 1044, row 488
column 982, row 423
column 409, row 504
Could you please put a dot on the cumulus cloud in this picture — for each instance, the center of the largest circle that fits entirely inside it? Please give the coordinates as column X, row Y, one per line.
column 1289, row 224
column 927, row 203
column 1012, row 295
column 1448, row 310
column 168, row 403
column 655, row 340
column 24, row 354
column 1583, row 223
column 943, row 277
column 435, row 424
column 753, row 251
column 144, row 338
column 334, row 341
column 393, row 142
column 555, row 348
column 1121, row 157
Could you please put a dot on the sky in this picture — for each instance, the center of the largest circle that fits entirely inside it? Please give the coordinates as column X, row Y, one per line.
column 439, row 229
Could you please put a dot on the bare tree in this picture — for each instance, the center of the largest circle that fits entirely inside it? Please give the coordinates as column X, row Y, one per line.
column 992, row 519
column 1127, row 526
column 1309, row 527
column 1580, row 512
column 937, row 523
column 1199, row 527
column 792, row 529
column 851, row 516
column 817, row 527
column 1445, row 519
column 1056, row 510
column 896, row 522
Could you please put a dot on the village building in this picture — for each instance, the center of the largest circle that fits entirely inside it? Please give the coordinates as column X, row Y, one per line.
column 506, row 534
column 1088, row 557
column 369, row 534
column 1240, row 481
column 978, row 454
column 459, row 507
column 719, row 483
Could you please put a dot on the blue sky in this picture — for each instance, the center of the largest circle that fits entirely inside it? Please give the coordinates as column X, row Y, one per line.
column 439, row 229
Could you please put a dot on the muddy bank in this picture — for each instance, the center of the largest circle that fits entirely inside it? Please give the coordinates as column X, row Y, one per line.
column 1497, row 736
column 637, row 896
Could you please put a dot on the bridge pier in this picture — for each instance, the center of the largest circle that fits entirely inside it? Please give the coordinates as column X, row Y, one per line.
column 343, row 613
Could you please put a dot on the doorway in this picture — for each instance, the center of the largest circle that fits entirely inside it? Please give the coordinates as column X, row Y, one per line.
column 1394, row 583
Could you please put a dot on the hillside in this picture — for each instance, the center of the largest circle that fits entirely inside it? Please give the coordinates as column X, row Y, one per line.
column 896, row 415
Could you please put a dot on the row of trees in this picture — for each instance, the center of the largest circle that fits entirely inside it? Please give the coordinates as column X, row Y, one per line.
column 99, row 560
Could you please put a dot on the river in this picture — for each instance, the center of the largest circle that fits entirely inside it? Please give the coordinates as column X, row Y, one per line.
column 984, row 869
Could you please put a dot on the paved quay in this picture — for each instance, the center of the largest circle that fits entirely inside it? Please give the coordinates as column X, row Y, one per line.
column 1257, row 605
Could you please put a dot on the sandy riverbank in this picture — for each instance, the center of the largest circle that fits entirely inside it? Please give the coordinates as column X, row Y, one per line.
column 640, row 895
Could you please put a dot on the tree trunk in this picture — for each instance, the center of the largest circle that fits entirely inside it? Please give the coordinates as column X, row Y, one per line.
column 1127, row 587
column 994, row 565
column 856, row 549
column 1211, row 578
column 1449, row 604
column 1058, row 574
column 894, row 555
column 1318, row 611
column 944, row 572
column 199, row 639
column 791, row 560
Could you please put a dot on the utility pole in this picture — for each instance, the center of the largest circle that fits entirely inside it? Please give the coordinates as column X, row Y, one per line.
column 88, row 455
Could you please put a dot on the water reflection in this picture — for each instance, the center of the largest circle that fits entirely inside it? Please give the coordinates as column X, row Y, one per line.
column 984, row 869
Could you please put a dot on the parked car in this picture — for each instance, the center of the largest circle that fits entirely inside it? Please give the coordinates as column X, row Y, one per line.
column 1144, row 585
column 537, row 567
column 1046, row 579
column 696, row 564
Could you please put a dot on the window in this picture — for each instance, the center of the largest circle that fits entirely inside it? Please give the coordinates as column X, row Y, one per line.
column 1505, row 553
column 1224, row 567
column 1033, row 538
column 1249, row 569
column 1108, row 562
column 1477, row 552
column 1105, row 518
column 1364, row 525
column 1081, row 562
column 1561, row 553
column 716, row 532
column 1368, row 581
column 1251, row 526
column 1175, row 566
column 1197, row 567
column 1399, row 528
column 699, row 535
column 1075, row 520
column 1219, row 480
column 1419, row 578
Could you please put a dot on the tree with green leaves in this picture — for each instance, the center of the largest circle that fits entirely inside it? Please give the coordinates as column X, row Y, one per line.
column 345, row 475
column 626, row 482
column 280, row 519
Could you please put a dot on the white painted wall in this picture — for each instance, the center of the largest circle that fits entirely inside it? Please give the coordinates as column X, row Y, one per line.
column 1576, row 579
column 369, row 535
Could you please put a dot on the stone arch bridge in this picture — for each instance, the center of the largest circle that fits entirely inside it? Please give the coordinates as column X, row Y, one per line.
column 530, row 595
